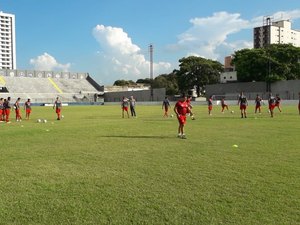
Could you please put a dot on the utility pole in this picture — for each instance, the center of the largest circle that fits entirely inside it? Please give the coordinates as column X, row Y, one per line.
column 151, row 70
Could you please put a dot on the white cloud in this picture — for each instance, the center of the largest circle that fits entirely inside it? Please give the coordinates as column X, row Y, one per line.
column 210, row 37
column 47, row 62
column 207, row 35
column 121, row 57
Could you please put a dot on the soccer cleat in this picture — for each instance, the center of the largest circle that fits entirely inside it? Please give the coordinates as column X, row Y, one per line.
column 183, row 136
column 179, row 135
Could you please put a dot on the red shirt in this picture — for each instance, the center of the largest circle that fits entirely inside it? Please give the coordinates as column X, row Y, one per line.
column 182, row 107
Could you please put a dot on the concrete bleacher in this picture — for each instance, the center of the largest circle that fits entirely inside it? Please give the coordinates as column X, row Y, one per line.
column 44, row 89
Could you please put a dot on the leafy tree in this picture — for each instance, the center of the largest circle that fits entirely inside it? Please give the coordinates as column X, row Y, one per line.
column 197, row 72
column 124, row 83
column 275, row 62
column 144, row 81
column 168, row 81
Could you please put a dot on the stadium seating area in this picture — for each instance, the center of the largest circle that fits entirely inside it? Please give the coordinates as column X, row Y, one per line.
column 46, row 89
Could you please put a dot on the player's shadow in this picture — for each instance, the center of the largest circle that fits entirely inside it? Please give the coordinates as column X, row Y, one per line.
column 137, row 136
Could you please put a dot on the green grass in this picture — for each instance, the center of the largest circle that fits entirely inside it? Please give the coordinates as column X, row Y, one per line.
column 94, row 167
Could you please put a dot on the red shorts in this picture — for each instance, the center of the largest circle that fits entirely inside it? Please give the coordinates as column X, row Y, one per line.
column 7, row 113
column 271, row 107
column 210, row 107
column 125, row 109
column 277, row 104
column 181, row 119
column 243, row 107
column 58, row 111
column 1, row 112
column 28, row 111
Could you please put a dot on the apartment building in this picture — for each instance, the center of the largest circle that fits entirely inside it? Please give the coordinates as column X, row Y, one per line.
column 279, row 32
column 7, row 41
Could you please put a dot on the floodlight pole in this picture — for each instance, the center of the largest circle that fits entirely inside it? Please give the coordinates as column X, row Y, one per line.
column 151, row 71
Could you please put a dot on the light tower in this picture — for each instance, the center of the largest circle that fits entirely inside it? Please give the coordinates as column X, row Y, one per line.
column 151, row 70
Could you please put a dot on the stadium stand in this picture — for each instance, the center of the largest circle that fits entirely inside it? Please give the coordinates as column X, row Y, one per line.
column 44, row 87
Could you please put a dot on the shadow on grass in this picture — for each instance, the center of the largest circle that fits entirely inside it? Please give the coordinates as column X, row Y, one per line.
column 138, row 137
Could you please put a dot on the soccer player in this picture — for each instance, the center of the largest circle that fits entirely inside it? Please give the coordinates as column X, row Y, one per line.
column 27, row 108
column 7, row 108
column 17, row 110
column 299, row 104
column 243, row 102
column 166, row 105
column 132, row 102
column 258, row 102
column 188, row 101
column 224, row 105
column 181, row 108
column 58, row 107
column 277, row 102
column 1, row 110
column 210, row 104
column 124, row 106
column 271, row 102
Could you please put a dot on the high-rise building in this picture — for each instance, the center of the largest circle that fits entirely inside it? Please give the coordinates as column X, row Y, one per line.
column 278, row 32
column 7, row 41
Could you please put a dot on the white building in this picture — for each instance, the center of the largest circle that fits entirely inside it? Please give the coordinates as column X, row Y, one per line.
column 279, row 32
column 228, row 77
column 7, row 41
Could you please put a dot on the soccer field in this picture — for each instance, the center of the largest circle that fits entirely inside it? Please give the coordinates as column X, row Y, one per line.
column 93, row 167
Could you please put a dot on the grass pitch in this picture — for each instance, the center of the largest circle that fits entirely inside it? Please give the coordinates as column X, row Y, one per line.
column 93, row 167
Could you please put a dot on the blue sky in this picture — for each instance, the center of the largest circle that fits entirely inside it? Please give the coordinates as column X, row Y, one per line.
column 109, row 39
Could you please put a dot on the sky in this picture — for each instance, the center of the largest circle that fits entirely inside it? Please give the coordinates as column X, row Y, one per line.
column 110, row 39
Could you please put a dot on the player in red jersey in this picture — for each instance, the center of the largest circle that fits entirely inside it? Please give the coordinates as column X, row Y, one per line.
column 124, row 106
column 181, row 108
column 224, row 105
column 299, row 104
column 17, row 110
column 1, row 110
column 258, row 102
column 271, row 102
column 210, row 104
column 7, row 108
column 188, row 101
column 58, row 107
column 27, row 108
column 277, row 102
column 243, row 102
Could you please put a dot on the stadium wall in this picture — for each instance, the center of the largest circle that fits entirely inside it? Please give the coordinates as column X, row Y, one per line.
column 140, row 96
column 286, row 89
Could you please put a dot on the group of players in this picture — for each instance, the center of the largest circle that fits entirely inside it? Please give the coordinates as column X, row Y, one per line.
column 128, row 102
column 273, row 102
column 6, row 107
column 183, row 108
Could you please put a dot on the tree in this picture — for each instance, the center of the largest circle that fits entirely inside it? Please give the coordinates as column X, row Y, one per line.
column 275, row 62
column 197, row 72
column 168, row 81
column 144, row 81
column 124, row 83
